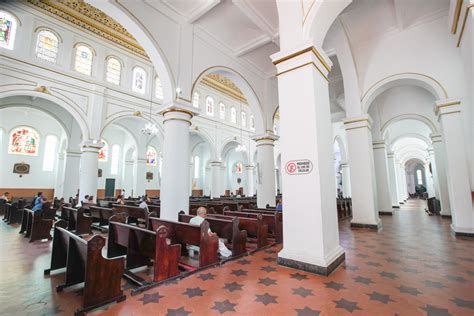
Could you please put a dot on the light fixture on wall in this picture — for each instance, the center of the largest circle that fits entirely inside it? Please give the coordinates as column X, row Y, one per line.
column 150, row 128
column 241, row 147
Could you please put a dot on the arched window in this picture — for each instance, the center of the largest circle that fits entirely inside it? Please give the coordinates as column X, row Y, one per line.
column 233, row 115
column 23, row 141
column 243, row 118
column 47, row 46
column 222, row 110
column 83, row 61
column 196, row 100
column 238, row 167
column 139, row 80
column 114, row 159
column 196, row 166
column 158, row 89
column 103, row 152
column 49, row 152
column 252, row 122
column 114, row 70
column 419, row 177
column 210, row 106
column 151, row 156
column 8, row 25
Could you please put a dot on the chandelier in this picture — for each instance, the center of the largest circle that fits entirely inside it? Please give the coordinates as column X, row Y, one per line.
column 150, row 129
column 241, row 148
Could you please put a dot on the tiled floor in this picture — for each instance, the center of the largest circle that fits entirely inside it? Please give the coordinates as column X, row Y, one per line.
column 414, row 266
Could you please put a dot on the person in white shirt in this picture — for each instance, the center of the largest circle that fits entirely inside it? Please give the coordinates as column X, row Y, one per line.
column 197, row 220
column 143, row 204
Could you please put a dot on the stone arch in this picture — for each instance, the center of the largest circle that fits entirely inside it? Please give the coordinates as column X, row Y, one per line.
column 78, row 116
column 150, row 44
column 342, row 148
column 227, row 145
column 426, row 121
column 244, row 86
column 206, row 138
column 114, row 118
column 411, row 135
column 428, row 83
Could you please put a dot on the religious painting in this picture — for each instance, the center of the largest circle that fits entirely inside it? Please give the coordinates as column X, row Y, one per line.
column 149, row 176
column 21, row 168
column 238, row 167
column 23, row 141
column 103, row 151
column 6, row 30
column 151, row 156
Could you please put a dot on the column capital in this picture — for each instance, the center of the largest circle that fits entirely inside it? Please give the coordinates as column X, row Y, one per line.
column 390, row 154
column 178, row 111
column 363, row 121
column 249, row 167
column 215, row 163
column 267, row 138
column 306, row 54
column 91, row 145
column 344, row 165
column 379, row 144
column 450, row 106
column 73, row 153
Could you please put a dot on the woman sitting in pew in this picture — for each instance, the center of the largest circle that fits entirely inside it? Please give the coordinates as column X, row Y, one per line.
column 197, row 220
column 39, row 203
column 279, row 206
column 120, row 200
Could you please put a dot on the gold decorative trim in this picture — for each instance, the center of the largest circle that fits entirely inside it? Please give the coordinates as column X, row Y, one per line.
column 177, row 110
column 305, row 14
column 42, row 89
column 443, row 105
column 91, row 19
column 457, row 13
column 224, row 85
column 357, row 121
column 301, row 66
column 303, row 51
column 469, row 7
column 264, row 138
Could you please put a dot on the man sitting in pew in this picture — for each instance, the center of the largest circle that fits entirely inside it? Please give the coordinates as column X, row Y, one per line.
column 143, row 203
column 197, row 220
column 39, row 203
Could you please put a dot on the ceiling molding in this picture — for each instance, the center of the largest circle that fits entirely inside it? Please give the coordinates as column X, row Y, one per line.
column 197, row 14
column 249, row 10
column 89, row 18
column 252, row 45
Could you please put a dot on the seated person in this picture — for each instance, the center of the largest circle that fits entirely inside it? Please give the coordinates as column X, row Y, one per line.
column 39, row 203
column 5, row 197
column 197, row 220
column 143, row 204
column 120, row 200
column 279, row 206
column 90, row 200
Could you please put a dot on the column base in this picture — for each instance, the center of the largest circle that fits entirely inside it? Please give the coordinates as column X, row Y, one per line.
column 312, row 268
column 395, row 206
column 401, row 202
column 386, row 213
column 446, row 215
column 375, row 227
column 462, row 232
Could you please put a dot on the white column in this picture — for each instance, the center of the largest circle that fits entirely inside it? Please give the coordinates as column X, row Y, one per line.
column 404, row 184
column 250, row 180
column 434, row 172
column 128, row 178
column 346, row 180
column 223, row 178
column 462, row 211
column 382, row 177
column 266, row 191
column 59, row 183
column 309, row 198
column 216, row 179
column 175, row 181
column 392, row 179
column 398, row 171
column 429, row 180
column 71, row 169
column 89, row 167
column 363, row 183
column 191, row 178
column 140, row 180
column 440, row 159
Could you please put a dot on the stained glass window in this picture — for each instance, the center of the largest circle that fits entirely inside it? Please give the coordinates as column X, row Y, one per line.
column 114, row 159
column 49, row 152
column 210, row 106
column 252, row 122
column 23, row 141
column 222, row 110
column 8, row 26
column 233, row 115
column 196, row 100
column 103, row 152
column 47, row 46
column 151, row 156
column 139, row 80
column 243, row 117
column 83, row 61
column 114, row 70
column 238, row 167
column 158, row 89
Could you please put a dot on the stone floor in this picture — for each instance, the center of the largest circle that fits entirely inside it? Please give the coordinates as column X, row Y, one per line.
column 414, row 266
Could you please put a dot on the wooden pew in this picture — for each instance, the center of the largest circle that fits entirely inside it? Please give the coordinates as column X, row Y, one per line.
column 192, row 235
column 141, row 245
column 224, row 228
column 79, row 222
column 37, row 225
column 84, row 262
column 14, row 212
column 255, row 227
column 152, row 208
column 274, row 222
column 134, row 213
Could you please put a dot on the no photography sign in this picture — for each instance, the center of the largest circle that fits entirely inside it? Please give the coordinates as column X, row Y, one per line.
column 303, row 166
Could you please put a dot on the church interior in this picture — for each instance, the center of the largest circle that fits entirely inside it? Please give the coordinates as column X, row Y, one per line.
column 247, row 157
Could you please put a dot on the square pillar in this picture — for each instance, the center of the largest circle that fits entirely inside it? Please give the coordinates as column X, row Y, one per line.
column 364, row 189
column 440, row 157
column 382, row 178
column 392, row 179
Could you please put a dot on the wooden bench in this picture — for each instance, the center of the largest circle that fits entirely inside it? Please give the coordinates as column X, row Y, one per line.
column 187, row 234
column 79, row 222
column 84, row 262
column 135, row 214
column 14, row 212
column 227, row 228
column 37, row 225
column 274, row 222
column 140, row 246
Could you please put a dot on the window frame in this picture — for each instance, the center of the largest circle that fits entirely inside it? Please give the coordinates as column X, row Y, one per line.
column 211, row 105
column 145, row 77
column 75, row 60
column 14, row 29
column 107, row 59
column 58, row 41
